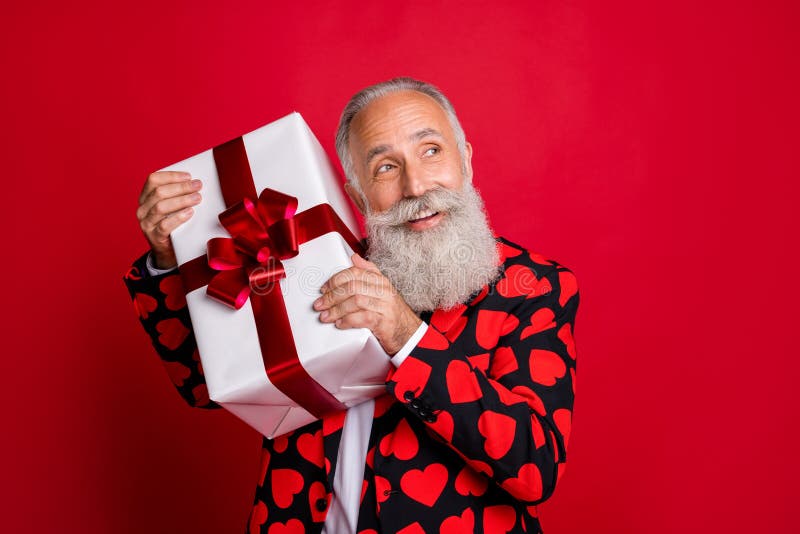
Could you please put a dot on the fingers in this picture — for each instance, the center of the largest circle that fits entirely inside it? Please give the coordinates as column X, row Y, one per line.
column 362, row 307
column 363, row 263
column 161, row 178
column 160, row 194
column 352, row 273
column 340, row 293
column 159, row 233
column 152, row 215
column 358, row 319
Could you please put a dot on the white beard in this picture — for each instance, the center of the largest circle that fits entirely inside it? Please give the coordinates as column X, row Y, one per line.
column 442, row 266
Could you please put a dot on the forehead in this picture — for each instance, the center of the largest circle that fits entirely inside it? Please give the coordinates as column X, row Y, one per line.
column 394, row 118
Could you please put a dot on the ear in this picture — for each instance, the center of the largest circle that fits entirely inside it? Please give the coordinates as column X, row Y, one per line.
column 356, row 197
column 468, row 161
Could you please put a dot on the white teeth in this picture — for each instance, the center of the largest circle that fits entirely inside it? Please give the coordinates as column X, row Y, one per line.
column 422, row 214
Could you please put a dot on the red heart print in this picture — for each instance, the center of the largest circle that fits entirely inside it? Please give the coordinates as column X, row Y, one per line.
column 542, row 288
column 280, row 443
column 412, row 375
column 433, row 340
column 565, row 335
column 480, row 467
column 310, row 447
column 480, row 361
column 265, row 457
column 333, row 422
column 503, row 362
column 172, row 287
column 258, row 516
column 541, row 320
column 498, row 519
column 316, row 491
column 443, row 425
column 443, row 319
column 382, row 405
column 144, row 305
column 569, row 286
column 537, row 432
column 509, row 325
column 519, row 280
column 527, row 485
column 563, row 420
column 200, row 394
column 538, row 258
column 371, row 457
column 572, row 374
column 459, row 524
column 292, row 526
column 458, row 326
column 470, row 482
column 171, row 333
column 177, row 372
column 488, row 327
column 546, row 367
column 507, row 397
column 499, row 431
column 426, row 485
column 133, row 274
column 382, row 488
column 533, row 400
column 402, row 442
column 286, row 483
column 462, row 385
column 413, row 528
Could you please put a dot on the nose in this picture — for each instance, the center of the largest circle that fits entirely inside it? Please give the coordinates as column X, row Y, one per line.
column 415, row 183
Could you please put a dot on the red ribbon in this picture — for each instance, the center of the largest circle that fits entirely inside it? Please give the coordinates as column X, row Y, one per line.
column 264, row 231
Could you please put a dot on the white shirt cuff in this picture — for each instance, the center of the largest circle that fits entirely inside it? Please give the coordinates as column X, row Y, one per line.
column 401, row 354
column 152, row 269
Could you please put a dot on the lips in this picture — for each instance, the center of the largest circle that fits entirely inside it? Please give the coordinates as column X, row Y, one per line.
column 423, row 215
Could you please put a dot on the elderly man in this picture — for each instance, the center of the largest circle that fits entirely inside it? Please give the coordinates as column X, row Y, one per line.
column 472, row 432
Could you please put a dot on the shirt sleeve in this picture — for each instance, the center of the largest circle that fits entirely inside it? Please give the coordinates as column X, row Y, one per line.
column 398, row 358
column 151, row 267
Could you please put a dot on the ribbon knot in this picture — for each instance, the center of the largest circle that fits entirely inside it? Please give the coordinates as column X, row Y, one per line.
column 263, row 232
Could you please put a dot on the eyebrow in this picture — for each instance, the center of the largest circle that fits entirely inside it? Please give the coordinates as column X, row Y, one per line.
column 416, row 136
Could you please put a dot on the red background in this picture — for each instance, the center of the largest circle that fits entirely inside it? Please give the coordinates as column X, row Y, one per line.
column 652, row 149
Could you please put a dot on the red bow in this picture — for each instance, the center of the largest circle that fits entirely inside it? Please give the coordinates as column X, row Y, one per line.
column 262, row 233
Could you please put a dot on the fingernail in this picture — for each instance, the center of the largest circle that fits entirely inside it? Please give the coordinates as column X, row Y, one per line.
column 194, row 197
column 317, row 303
column 196, row 184
column 324, row 315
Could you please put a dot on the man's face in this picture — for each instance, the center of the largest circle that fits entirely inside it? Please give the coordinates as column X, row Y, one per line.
column 402, row 146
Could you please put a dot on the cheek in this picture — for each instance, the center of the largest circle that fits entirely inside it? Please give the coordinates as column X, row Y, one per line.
column 382, row 200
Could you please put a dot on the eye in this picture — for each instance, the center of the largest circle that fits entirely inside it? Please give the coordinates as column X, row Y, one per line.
column 386, row 167
column 431, row 151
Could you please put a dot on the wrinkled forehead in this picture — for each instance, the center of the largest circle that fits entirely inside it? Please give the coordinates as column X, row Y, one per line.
column 396, row 118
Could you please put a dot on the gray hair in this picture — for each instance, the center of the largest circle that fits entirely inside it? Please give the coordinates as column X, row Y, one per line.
column 361, row 99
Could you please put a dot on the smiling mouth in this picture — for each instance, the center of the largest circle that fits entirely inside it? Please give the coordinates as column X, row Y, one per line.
column 424, row 216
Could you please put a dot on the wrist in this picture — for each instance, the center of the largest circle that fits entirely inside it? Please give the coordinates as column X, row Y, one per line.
column 409, row 326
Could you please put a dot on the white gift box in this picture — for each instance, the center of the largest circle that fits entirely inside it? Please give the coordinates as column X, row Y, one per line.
column 350, row 364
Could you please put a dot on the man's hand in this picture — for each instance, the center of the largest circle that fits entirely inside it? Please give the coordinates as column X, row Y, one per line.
column 361, row 297
column 166, row 203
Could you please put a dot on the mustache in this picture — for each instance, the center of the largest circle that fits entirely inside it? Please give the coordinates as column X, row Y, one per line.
column 437, row 199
